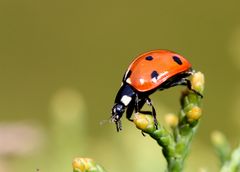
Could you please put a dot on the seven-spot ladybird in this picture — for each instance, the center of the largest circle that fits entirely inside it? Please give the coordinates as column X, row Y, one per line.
column 151, row 71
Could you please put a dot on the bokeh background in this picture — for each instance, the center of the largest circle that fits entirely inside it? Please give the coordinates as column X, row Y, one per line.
column 61, row 64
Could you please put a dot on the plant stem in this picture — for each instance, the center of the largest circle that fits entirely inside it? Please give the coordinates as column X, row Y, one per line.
column 176, row 143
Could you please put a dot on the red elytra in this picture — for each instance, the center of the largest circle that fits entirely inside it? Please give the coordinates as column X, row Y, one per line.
column 161, row 61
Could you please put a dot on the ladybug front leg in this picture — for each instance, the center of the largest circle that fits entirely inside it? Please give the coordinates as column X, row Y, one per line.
column 118, row 125
column 136, row 105
column 141, row 103
column 130, row 110
column 149, row 102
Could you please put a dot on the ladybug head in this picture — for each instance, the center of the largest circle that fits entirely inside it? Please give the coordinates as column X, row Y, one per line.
column 124, row 97
column 117, row 111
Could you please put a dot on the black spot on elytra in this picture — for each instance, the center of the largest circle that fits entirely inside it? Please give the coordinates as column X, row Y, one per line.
column 154, row 74
column 177, row 60
column 149, row 58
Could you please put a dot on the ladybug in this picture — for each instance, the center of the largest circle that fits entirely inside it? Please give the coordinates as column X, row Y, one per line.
column 149, row 72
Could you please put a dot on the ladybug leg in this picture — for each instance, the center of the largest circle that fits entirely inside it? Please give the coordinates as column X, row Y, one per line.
column 137, row 101
column 118, row 125
column 153, row 112
column 189, row 85
column 134, row 106
column 186, row 82
column 138, row 108
column 149, row 113
column 130, row 110
column 149, row 102
column 180, row 81
column 141, row 104
column 145, row 112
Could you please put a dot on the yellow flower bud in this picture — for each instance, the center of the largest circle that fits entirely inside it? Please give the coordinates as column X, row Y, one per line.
column 81, row 164
column 143, row 122
column 194, row 113
column 197, row 82
column 140, row 121
column 172, row 120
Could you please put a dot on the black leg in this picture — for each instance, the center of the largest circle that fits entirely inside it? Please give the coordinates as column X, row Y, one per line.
column 149, row 102
column 134, row 105
column 140, row 104
column 118, row 125
column 130, row 110
column 145, row 112
column 180, row 81
column 189, row 85
column 137, row 106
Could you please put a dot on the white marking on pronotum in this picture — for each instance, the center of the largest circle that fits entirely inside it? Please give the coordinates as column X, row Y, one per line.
column 126, row 100
column 128, row 81
column 141, row 81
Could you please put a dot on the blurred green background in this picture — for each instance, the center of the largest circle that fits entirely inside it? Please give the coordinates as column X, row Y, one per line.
column 61, row 64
